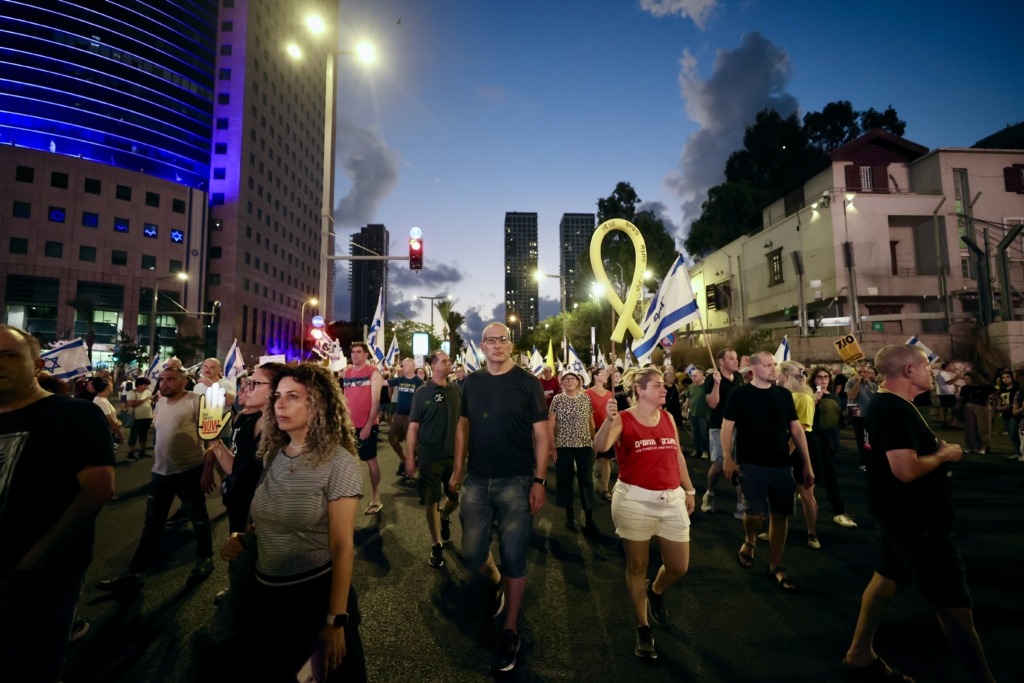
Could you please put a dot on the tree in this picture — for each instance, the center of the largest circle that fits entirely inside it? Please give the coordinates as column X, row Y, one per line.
column 405, row 328
column 887, row 120
column 731, row 211
column 188, row 349
column 85, row 309
column 832, row 127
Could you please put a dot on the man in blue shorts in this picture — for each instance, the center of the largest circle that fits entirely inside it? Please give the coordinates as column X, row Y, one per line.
column 503, row 428
column 764, row 417
column 910, row 494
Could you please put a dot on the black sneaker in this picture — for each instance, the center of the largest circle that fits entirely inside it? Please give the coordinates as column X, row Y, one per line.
column 495, row 601
column 436, row 559
column 401, row 470
column 446, row 529
column 504, row 657
column 78, row 630
column 124, row 582
column 133, row 457
column 645, row 643
column 656, row 607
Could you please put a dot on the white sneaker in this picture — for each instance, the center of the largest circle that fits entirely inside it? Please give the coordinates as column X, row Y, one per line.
column 843, row 520
column 707, row 503
column 981, row 452
column 813, row 542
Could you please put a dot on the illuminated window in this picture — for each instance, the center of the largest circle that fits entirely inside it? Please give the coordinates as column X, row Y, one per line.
column 90, row 219
column 121, row 224
column 149, row 230
column 177, row 236
column 56, row 214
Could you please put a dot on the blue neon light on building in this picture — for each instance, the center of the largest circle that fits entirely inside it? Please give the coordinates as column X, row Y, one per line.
column 130, row 86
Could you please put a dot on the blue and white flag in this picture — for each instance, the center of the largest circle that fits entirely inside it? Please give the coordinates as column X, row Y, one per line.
column 671, row 307
column 577, row 366
column 932, row 356
column 67, row 361
column 536, row 362
column 234, row 365
column 782, row 353
column 376, row 340
column 155, row 368
column 690, row 369
column 392, row 356
column 469, row 357
column 599, row 361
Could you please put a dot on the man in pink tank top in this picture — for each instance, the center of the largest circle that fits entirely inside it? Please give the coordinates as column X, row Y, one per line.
column 361, row 383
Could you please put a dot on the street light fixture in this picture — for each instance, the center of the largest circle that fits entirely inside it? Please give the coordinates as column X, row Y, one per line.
column 302, row 326
column 366, row 54
column 432, row 299
column 513, row 318
column 180, row 277
column 540, row 275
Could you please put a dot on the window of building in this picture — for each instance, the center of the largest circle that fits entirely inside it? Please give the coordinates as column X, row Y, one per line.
column 177, row 236
column 22, row 210
column 54, row 250
column 245, row 319
column 90, row 219
column 775, row 267
column 215, row 252
column 175, row 266
column 119, row 258
column 121, row 224
column 222, row 124
column 58, row 179
column 153, row 199
column 93, row 186
column 245, row 284
column 148, row 262
column 224, row 74
column 220, row 148
column 217, row 198
column 178, row 205
column 248, row 258
column 86, row 253
column 213, row 280
column 56, row 214
column 220, row 173
column 225, row 50
column 231, row 3
column 223, row 98
column 227, row 26
column 123, row 192
column 18, row 245
column 865, row 179
column 25, row 174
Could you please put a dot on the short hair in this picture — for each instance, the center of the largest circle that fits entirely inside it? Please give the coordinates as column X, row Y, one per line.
column 433, row 357
column 360, row 345
column 99, row 384
column 143, row 381
column 766, row 355
column 177, row 371
column 495, row 322
column 727, row 349
column 30, row 341
column 891, row 360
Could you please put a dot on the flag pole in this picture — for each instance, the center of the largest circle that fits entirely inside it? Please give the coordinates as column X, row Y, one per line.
column 707, row 342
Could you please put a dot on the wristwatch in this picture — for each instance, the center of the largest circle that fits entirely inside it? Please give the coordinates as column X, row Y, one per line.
column 337, row 620
column 538, row 480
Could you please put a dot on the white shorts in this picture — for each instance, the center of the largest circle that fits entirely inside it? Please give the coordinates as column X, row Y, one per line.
column 640, row 514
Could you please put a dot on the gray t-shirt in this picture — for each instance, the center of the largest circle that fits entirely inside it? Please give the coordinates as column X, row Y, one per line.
column 178, row 447
column 436, row 409
column 289, row 512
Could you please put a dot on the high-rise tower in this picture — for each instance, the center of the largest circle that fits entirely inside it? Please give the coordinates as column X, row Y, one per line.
column 520, row 271
column 574, row 231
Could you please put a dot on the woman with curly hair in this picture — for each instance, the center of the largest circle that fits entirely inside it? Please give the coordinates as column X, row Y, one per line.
column 303, row 607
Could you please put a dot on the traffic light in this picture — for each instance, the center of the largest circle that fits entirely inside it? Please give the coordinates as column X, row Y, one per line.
column 415, row 253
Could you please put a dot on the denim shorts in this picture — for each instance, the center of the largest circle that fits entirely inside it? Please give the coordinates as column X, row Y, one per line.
column 715, row 445
column 507, row 499
column 641, row 514
column 768, row 489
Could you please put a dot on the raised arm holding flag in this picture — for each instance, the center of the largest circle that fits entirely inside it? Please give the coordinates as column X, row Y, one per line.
column 670, row 309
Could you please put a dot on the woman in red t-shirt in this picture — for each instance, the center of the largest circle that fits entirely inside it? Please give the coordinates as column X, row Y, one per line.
column 599, row 393
column 653, row 497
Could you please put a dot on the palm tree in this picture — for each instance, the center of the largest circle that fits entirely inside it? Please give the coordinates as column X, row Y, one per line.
column 85, row 309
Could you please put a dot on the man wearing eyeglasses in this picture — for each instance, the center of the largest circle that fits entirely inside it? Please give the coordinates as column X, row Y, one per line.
column 503, row 429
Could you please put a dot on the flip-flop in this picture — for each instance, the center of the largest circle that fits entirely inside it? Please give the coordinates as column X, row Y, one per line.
column 877, row 670
column 745, row 559
column 787, row 584
column 373, row 508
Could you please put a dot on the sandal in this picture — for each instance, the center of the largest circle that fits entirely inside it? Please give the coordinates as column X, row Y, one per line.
column 373, row 508
column 877, row 670
column 787, row 584
column 607, row 496
column 746, row 559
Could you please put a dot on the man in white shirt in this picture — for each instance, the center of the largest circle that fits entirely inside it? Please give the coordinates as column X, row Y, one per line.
column 945, row 388
column 209, row 374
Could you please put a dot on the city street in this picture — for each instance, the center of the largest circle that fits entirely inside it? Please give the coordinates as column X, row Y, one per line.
column 728, row 624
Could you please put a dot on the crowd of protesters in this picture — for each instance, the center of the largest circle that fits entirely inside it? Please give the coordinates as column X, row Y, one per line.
column 481, row 444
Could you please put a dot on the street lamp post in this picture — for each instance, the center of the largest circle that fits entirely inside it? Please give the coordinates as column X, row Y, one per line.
column 180, row 277
column 540, row 275
column 516, row 319
column 302, row 326
column 432, row 299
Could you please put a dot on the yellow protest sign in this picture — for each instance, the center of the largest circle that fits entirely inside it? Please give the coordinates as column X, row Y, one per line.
column 849, row 349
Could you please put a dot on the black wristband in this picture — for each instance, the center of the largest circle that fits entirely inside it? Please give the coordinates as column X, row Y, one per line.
column 538, row 480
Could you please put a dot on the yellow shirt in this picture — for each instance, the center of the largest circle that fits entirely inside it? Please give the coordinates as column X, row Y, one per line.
column 804, row 409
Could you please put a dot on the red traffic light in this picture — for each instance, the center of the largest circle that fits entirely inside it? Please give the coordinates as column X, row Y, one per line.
column 415, row 254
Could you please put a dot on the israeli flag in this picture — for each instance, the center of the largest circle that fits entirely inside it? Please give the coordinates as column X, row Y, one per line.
column 155, row 368
column 599, row 360
column 392, row 357
column 577, row 366
column 782, row 353
column 234, row 364
column 376, row 340
column 536, row 362
column 67, row 361
column 690, row 369
column 932, row 356
column 671, row 307
column 470, row 359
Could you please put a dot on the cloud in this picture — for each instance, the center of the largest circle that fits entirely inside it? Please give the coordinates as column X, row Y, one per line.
column 697, row 10
column 434, row 276
column 405, row 309
column 475, row 323
column 547, row 308
column 660, row 212
column 743, row 82
column 371, row 166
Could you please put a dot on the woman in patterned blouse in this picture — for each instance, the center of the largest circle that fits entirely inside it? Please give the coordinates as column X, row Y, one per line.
column 571, row 425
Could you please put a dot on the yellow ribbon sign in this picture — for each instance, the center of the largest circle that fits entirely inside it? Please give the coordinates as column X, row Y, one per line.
column 624, row 309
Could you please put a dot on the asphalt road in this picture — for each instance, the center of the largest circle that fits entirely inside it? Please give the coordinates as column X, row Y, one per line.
column 728, row 624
